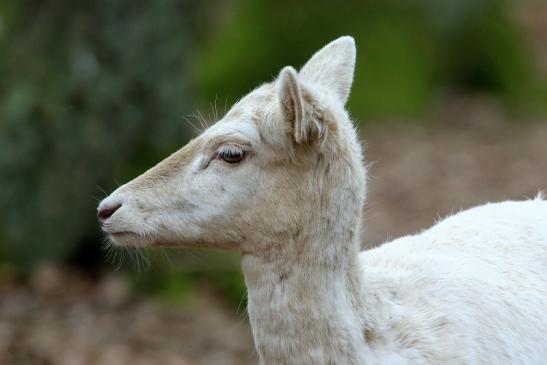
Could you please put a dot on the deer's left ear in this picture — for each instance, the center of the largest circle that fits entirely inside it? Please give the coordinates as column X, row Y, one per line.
column 332, row 67
column 292, row 106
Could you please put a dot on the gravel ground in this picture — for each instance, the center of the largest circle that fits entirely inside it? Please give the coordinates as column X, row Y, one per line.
column 417, row 174
column 64, row 318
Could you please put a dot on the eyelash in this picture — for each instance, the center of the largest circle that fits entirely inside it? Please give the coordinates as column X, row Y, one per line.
column 230, row 154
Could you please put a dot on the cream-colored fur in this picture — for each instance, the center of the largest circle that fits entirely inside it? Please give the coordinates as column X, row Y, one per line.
column 470, row 290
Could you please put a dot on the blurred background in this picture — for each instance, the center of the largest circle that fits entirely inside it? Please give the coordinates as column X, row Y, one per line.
column 450, row 97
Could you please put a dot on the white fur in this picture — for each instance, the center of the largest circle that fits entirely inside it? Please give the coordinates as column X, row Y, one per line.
column 470, row 290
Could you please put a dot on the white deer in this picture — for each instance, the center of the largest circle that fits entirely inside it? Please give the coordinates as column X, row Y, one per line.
column 280, row 178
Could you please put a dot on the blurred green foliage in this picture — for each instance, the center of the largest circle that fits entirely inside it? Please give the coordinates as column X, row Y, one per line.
column 178, row 286
column 409, row 51
column 90, row 91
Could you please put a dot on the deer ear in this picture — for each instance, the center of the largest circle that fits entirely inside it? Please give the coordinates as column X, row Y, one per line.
column 291, row 102
column 332, row 67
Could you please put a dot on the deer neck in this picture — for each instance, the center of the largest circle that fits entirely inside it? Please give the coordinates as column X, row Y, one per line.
column 305, row 298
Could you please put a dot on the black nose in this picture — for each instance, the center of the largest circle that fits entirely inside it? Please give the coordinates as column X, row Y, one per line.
column 106, row 212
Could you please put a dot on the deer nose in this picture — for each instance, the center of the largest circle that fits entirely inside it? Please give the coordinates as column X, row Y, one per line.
column 106, row 212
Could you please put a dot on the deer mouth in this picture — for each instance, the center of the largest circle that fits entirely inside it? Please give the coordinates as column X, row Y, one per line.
column 111, row 231
column 119, row 234
column 124, row 234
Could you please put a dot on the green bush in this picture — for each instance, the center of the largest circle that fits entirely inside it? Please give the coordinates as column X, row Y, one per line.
column 408, row 52
column 177, row 281
column 91, row 93
column 484, row 51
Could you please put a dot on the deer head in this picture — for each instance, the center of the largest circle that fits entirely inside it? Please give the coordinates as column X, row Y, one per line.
column 278, row 159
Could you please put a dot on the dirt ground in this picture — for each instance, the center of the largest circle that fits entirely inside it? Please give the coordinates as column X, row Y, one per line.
column 417, row 174
column 469, row 156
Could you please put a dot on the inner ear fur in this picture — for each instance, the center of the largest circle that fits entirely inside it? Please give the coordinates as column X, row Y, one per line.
column 300, row 109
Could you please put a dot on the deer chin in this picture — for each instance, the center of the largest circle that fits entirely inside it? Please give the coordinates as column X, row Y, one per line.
column 129, row 239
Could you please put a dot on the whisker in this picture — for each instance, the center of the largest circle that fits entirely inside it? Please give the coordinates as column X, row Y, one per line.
column 135, row 259
column 167, row 258
column 195, row 128
column 97, row 199
column 144, row 257
column 103, row 191
column 243, row 297
column 121, row 261
column 215, row 108
column 204, row 122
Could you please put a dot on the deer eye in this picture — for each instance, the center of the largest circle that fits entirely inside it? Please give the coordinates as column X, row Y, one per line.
column 231, row 154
